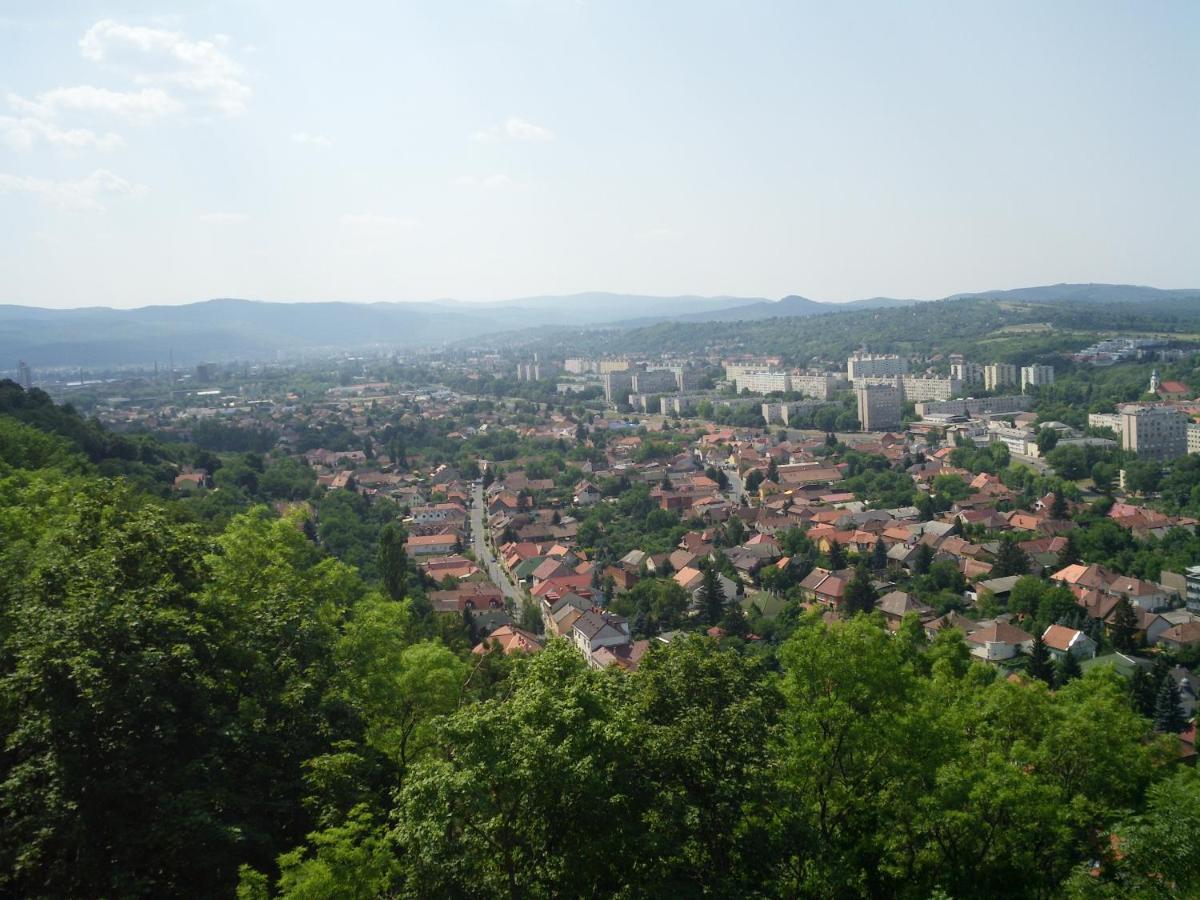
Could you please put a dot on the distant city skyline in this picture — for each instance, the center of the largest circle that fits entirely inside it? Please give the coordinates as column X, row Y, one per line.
column 152, row 154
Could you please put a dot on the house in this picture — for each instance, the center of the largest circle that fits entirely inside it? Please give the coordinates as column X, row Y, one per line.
column 895, row 605
column 596, row 628
column 1061, row 640
column 431, row 544
column 509, row 639
column 692, row 580
column 1177, row 637
column 586, row 494
column 999, row 641
column 824, row 587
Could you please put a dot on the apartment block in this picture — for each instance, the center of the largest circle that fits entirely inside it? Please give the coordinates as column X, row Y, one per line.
column 998, row 375
column 762, row 382
column 1033, row 376
column 880, row 406
column 1154, row 432
column 867, row 365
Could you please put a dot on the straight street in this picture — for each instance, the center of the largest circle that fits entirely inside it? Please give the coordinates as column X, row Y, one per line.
column 483, row 551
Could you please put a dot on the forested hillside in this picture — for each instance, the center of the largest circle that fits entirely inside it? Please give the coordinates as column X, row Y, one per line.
column 216, row 700
column 1014, row 331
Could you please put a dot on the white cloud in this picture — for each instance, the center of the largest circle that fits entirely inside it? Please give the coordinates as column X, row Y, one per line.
column 515, row 129
column 223, row 218
column 311, row 140
column 78, row 196
column 24, row 133
column 138, row 106
column 201, row 67
column 658, row 234
column 486, row 182
column 376, row 221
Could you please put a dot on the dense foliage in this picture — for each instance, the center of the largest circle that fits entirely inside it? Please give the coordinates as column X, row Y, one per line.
column 198, row 707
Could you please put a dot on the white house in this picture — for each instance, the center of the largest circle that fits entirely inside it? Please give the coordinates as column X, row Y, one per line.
column 1061, row 640
column 999, row 641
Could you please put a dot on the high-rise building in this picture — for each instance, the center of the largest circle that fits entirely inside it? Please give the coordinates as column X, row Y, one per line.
column 653, row 381
column 997, row 375
column 24, row 375
column 865, row 365
column 617, row 385
column 762, row 382
column 1193, row 437
column 1154, row 432
column 1033, row 376
column 966, row 372
column 880, row 406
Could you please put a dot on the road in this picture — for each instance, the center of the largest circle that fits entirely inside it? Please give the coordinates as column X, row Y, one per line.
column 483, row 552
column 736, row 489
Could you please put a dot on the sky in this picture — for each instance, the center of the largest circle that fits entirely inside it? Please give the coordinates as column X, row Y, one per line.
column 159, row 153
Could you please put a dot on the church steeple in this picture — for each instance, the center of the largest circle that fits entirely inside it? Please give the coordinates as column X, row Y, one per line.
column 1154, row 382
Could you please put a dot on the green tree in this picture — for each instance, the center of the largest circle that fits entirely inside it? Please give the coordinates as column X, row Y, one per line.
column 393, row 560
column 711, row 597
column 879, row 557
column 923, row 559
column 1124, row 626
column 1010, row 559
column 1066, row 670
column 1040, row 665
column 860, row 594
column 1168, row 716
column 837, row 556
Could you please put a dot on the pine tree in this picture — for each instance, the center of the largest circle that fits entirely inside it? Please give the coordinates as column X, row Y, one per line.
column 837, row 556
column 1067, row 670
column 773, row 471
column 734, row 622
column 1058, row 509
column 393, row 560
column 860, row 594
column 830, row 439
column 923, row 560
column 879, row 557
column 1010, row 560
column 711, row 597
column 1142, row 692
column 1123, row 629
column 1069, row 554
column 1168, row 717
column 1040, row 666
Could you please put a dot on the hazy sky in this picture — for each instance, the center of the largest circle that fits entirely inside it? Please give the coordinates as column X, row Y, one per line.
column 480, row 150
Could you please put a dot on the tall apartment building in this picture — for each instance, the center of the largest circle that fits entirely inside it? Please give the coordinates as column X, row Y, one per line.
column 1033, row 376
column 24, row 375
column 1111, row 421
column 784, row 413
column 762, row 382
column 578, row 365
column 536, row 370
column 1154, row 432
column 966, row 372
column 879, row 406
column 653, row 381
column 1193, row 437
column 918, row 388
column 604, row 366
column 820, row 386
column 617, row 385
column 997, row 375
column 865, row 365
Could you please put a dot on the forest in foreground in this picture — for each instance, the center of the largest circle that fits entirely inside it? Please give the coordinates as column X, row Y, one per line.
column 222, row 707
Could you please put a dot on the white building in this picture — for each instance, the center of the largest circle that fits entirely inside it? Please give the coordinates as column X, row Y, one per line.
column 866, row 365
column 1111, row 421
column 1154, row 432
column 997, row 375
column 1033, row 376
column 1193, row 437
column 880, row 406
column 762, row 381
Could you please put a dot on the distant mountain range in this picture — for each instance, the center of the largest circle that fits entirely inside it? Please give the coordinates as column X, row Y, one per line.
column 245, row 329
